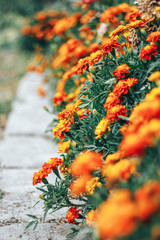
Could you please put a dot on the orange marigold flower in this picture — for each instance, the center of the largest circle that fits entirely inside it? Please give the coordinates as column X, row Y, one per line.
column 78, row 186
column 121, row 170
column 59, row 98
column 91, row 185
column 95, row 57
column 84, row 185
column 72, row 214
column 155, row 77
column 83, row 113
column 118, row 210
column 80, row 51
column 153, row 37
column 145, row 111
column 109, row 13
column 64, row 146
column 31, row 67
column 148, row 198
column 40, row 16
column 102, row 127
column 85, row 163
column 46, row 169
column 93, row 47
column 121, row 70
column 116, row 111
column 145, row 135
column 110, row 44
column 88, row 16
column 111, row 101
column 40, row 69
column 111, row 158
column 147, row 52
column 123, row 129
column 91, row 217
column 70, row 110
column 41, row 92
column 26, row 30
column 136, row 24
column 118, row 31
column 52, row 164
column 38, row 176
column 153, row 94
column 133, row 15
column 122, row 87
column 82, row 65
column 63, row 126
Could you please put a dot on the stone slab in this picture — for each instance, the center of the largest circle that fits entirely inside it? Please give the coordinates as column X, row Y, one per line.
column 44, row 231
column 26, row 151
column 20, row 196
column 28, row 115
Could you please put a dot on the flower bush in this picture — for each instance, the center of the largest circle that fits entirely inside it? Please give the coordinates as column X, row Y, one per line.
column 107, row 63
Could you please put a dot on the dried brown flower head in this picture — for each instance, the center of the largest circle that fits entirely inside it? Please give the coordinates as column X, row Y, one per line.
column 133, row 38
column 147, row 7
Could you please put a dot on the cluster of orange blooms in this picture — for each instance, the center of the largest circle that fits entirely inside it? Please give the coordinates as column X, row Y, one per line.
column 50, row 23
column 47, row 167
column 125, row 211
column 66, row 118
column 82, row 169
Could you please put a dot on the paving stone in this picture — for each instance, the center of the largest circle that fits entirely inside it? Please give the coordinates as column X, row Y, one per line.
column 23, row 151
column 28, row 115
column 44, row 231
column 26, row 151
column 20, row 196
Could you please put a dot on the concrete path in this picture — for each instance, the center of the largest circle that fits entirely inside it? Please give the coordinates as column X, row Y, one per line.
column 23, row 151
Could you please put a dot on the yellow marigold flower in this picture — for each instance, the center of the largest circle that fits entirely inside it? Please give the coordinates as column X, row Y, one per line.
column 91, row 185
column 123, row 129
column 102, row 127
column 121, row 170
column 111, row 158
column 69, row 111
column 91, row 217
column 136, row 24
column 78, row 186
column 63, row 126
column 118, row 31
column 155, row 77
column 117, row 216
column 154, row 93
column 110, row 44
column 95, row 57
column 64, row 146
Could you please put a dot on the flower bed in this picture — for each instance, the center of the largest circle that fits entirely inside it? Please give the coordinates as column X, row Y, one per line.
column 107, row 63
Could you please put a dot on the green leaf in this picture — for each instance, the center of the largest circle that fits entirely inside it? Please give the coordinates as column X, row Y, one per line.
column 56, row 172
column 29, row 225
column 32, row 216
column 35, row 226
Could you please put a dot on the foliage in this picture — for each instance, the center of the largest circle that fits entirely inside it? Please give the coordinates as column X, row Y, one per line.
column 108, row 126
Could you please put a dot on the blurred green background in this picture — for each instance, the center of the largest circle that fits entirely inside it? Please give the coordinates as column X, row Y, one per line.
column 13, row 60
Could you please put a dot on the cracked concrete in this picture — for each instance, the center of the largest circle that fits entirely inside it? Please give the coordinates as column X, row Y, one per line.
column 23, row 151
